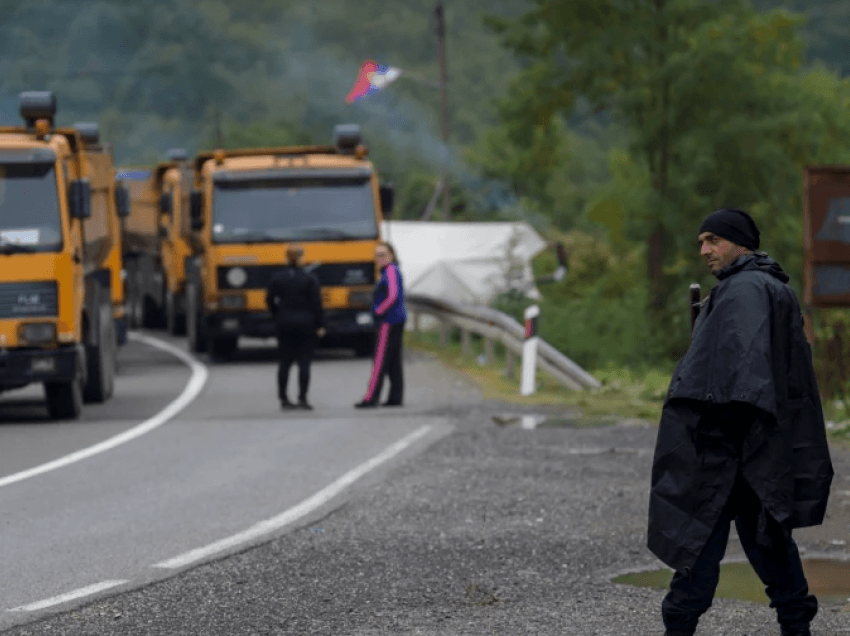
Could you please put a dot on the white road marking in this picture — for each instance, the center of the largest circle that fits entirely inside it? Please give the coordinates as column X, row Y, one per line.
column 293, row 514
column 70, row 596
column 190, row 392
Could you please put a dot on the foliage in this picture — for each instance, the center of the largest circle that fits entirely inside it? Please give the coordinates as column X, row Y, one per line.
column 595, row 315
column 716, row 107
column 159, row 75
column 832, row 354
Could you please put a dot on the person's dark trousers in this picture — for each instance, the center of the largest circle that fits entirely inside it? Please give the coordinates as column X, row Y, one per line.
column 295, row 344
column 387, row 362
column 779, row 567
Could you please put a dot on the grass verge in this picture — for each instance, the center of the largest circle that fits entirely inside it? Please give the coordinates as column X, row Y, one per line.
column 623, row 393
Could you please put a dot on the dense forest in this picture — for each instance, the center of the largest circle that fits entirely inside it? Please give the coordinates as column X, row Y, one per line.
column 612, row 126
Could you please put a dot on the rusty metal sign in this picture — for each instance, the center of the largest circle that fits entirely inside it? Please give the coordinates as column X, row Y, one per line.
column 826, row 236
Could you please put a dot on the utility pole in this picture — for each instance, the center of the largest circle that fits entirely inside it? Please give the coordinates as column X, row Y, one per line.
column 444, row 102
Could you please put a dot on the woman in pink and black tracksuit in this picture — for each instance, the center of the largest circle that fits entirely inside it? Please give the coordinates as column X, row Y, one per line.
column 390, row 316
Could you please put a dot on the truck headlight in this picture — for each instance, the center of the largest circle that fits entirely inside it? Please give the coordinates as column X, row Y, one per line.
column 38, row 332
column 363, row 318
column 237, row 276
column 233, row 301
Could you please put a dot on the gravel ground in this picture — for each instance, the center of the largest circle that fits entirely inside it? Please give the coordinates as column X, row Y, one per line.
column 493, row 530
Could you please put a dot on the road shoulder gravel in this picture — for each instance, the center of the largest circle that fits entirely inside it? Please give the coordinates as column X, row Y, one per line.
column 492, row 530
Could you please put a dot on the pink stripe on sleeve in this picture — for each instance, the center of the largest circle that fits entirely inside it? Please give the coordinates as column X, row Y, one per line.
column 392, row 292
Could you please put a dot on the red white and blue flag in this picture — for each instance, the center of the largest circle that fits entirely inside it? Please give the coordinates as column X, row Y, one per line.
column 372, row 78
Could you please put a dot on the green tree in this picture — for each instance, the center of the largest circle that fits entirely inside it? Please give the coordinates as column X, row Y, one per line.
column 711, row 95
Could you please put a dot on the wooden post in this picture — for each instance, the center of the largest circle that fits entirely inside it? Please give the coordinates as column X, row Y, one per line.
column 466, row 340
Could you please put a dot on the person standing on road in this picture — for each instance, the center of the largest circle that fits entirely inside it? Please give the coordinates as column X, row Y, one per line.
column 294, row 298
column 741, row 437
column 389, row 315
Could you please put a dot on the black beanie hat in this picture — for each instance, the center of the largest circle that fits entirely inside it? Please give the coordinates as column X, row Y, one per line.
column 734, row 225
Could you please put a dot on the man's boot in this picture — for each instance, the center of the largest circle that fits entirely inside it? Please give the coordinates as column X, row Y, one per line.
column 796, row 631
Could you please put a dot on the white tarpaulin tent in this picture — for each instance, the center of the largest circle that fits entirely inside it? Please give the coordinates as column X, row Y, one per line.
column 465, row 262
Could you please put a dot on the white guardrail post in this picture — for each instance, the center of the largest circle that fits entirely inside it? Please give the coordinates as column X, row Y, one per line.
column 497, row 326
column 528, row 385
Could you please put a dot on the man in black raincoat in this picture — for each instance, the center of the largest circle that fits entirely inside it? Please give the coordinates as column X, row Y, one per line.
column 741, row 437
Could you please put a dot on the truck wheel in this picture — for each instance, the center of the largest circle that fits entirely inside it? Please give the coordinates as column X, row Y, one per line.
column 134, row 311
column 222, row 349
column 64, row 399
column 194, row 327
column 152, row 317
column 100, row 359
column 175, row 323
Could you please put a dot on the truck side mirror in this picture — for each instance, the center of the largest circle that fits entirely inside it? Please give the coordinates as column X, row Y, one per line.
column 122, row 201
column 387, row 198
column 166, row 203
column 195, row 210
column 79, row 198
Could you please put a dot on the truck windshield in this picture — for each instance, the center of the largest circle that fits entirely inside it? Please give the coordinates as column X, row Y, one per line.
column 268, row 210
column 29, row 208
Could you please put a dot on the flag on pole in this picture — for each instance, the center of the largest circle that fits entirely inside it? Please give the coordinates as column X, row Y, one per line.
column 372, row 78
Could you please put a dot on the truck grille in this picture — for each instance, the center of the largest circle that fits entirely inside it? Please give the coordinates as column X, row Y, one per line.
column 28, row 300
column 329, row 275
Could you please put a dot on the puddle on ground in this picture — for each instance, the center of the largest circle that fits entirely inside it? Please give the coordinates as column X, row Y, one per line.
column 829, row 580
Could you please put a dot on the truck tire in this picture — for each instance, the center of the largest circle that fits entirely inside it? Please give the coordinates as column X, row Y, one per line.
column 134, row 309
column 152, row 315
column 64, row 399
column 100, row 358
column 175, row 322
column 194, row 323
column 222, row 349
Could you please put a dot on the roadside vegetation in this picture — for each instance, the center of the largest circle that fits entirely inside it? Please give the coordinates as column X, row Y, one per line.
column 624, row 393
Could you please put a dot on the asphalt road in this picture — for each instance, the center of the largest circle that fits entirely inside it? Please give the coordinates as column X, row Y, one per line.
column 187, row 462
column 487, row 529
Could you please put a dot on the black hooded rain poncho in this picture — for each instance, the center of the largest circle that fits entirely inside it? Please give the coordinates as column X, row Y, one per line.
column 748, row 351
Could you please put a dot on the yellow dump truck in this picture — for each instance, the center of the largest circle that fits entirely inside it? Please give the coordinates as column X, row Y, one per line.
column 248, row 205
column 109, row 205
column 157, row 242
column 56, row 310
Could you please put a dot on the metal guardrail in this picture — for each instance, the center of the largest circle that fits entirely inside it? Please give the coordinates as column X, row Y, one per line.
column 495, row 326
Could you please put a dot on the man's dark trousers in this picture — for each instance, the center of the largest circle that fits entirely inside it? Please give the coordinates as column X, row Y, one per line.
column 295, row 344
column 778, row 567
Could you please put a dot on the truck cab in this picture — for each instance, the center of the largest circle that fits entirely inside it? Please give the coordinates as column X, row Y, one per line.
column 249, row 205
column 56, row 313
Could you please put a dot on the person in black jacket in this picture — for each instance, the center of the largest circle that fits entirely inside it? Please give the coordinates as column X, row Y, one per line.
column 741, row 437
column 294, row 298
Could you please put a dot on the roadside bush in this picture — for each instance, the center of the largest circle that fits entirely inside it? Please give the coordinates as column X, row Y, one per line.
column 832, row 354
column 597, row 314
